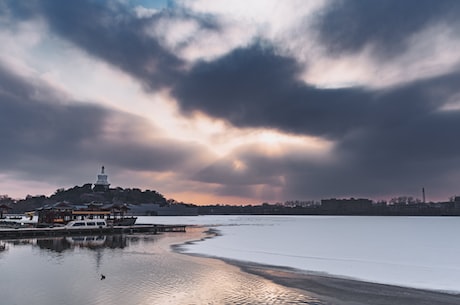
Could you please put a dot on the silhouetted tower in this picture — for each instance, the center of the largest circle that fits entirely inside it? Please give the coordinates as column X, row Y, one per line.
column 101, row 184
column 423, row 194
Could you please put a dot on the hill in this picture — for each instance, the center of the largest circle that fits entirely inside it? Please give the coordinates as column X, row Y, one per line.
column 85, row 194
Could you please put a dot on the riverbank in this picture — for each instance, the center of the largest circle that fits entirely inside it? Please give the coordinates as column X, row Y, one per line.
column 328, row 289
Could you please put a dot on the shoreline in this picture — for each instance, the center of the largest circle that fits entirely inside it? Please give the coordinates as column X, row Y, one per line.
column 337, row 290
column 333, row 290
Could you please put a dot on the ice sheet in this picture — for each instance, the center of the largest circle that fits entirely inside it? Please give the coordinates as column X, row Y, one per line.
column 420, row 252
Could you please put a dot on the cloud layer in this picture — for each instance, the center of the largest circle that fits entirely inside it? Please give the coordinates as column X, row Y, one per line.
column 383, row 139
column 388, row 26
column 50, row 137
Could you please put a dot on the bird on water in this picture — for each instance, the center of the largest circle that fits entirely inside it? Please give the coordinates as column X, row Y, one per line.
column 102, row 277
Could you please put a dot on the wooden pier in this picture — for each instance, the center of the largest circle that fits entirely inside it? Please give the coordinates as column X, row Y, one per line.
column 63, row 231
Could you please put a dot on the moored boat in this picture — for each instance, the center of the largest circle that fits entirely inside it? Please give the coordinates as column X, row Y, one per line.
column 86, row 223
column 125, row 221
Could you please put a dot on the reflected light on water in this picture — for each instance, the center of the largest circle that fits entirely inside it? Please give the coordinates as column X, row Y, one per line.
column 139, row 269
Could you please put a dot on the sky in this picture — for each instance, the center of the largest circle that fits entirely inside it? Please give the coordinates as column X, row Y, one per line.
column 232, row 102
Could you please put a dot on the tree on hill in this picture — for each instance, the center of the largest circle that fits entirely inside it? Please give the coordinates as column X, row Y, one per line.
column 85, row 194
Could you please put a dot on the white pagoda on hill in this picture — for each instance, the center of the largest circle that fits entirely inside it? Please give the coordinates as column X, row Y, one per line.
column 101, row 184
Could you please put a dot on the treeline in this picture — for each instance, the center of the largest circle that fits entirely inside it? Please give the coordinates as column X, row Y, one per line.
column 395, row 207
column 84, row 194
column 364, row 207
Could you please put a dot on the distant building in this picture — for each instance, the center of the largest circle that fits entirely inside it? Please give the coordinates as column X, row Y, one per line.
column 351, row 205
column 101, row 185
column 154, row 209
column 456, row 204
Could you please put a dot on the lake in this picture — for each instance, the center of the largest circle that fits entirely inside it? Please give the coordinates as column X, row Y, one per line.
column 141, row 269
column 138, row 270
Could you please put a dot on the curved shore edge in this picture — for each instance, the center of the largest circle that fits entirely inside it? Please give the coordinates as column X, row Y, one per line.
column 332, row 290
column 336, row 290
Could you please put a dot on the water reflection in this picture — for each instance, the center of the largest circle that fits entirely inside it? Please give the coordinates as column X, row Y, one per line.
column 3, row 247
column 139, row 269
column 61, row 244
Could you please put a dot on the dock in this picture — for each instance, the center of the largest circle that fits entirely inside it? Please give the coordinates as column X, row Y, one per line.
column 63, row 231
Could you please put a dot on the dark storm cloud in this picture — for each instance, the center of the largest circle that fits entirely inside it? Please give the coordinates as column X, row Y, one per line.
column 112, row 32
column 31, row 124
column 349, row 26
column 254, row 87
column 43, row 133
column 115, row 36
column 106, row 29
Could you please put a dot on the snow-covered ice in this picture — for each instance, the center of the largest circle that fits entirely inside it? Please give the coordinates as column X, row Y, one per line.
column 420, row 252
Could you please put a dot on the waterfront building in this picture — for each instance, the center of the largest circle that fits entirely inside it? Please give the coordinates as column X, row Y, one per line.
column 4, row 209
column 62, row 213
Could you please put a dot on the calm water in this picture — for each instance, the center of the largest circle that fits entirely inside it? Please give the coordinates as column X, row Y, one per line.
column 139, row 270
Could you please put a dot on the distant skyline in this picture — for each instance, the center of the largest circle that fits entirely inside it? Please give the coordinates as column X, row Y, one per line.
column 232, row 102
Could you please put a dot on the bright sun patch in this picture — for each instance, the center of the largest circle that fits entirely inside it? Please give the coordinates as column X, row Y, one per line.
column 238, row 165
